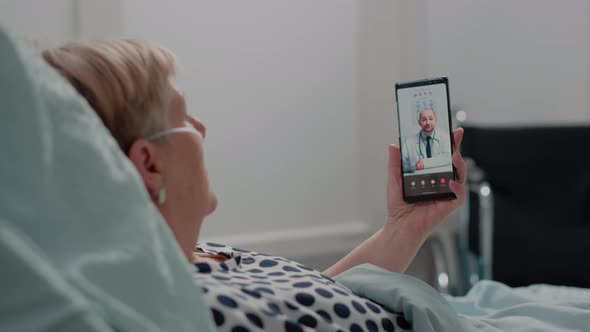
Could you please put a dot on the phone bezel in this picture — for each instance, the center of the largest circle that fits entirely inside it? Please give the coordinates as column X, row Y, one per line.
column 412, row 84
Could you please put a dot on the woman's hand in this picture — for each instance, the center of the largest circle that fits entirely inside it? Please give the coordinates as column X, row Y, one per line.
column 419, row 219
column 408, row 225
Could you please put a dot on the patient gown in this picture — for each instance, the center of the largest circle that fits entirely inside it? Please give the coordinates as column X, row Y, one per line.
column 257, row 292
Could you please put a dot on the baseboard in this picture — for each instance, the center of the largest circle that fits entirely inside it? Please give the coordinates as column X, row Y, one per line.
column 301, row 243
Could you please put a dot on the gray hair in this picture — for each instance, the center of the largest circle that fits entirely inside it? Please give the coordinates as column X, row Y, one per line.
column 125, row 81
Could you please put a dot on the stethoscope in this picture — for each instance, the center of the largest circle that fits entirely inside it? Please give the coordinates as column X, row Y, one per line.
column 420, row 144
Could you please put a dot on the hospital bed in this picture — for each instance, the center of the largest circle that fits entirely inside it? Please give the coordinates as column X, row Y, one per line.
column 82, row 247
column 527, row 219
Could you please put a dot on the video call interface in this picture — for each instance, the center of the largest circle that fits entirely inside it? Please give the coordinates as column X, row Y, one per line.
column 425, row 139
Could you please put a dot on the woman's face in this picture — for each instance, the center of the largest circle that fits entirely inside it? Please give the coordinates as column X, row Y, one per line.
column 189, row 198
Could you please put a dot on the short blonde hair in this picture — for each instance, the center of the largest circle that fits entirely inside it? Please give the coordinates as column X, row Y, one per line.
column 126, row 81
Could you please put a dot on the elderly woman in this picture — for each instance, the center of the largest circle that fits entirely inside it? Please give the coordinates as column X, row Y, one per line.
column 128, row 83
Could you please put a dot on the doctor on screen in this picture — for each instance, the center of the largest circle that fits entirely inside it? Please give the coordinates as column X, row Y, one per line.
column 429, row 147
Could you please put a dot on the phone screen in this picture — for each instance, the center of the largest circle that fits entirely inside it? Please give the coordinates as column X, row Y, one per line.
column 425, row 139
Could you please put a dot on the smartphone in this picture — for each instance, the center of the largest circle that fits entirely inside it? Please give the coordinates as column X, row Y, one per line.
column 425, row 139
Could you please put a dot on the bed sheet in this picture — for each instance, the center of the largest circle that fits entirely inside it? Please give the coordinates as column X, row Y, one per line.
column 488, row 307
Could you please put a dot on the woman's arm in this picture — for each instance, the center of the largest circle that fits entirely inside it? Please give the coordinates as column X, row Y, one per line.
column 408, row 225
column 389, row 248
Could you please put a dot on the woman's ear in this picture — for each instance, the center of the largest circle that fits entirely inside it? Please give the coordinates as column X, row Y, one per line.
column 148, row 161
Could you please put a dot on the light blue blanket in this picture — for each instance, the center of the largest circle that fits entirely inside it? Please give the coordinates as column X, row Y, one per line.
column 489, row 306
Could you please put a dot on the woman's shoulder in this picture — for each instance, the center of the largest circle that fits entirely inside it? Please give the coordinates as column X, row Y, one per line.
column 256, row 262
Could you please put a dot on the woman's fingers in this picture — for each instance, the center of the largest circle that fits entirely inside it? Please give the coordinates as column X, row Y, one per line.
column 458, row 161
column 457, row 138
column 393, row 166
column 458, row 189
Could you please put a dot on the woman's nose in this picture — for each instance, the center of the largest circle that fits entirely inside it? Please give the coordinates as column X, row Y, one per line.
column 198, row 125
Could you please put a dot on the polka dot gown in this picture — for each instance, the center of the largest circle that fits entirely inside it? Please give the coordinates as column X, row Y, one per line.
column 257, row 292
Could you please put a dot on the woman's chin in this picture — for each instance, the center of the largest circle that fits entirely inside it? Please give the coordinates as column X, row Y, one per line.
column 212, row 204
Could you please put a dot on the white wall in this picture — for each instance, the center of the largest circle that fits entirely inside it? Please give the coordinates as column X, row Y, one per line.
column 279, row 85
column 509, row 62
column 379, row 48
column 40, row 22
column 95, row 19
column 298, row 95
column 276, row 82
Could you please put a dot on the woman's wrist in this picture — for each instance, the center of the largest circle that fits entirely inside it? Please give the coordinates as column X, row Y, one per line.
column 397, row 244
column 407, row 229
